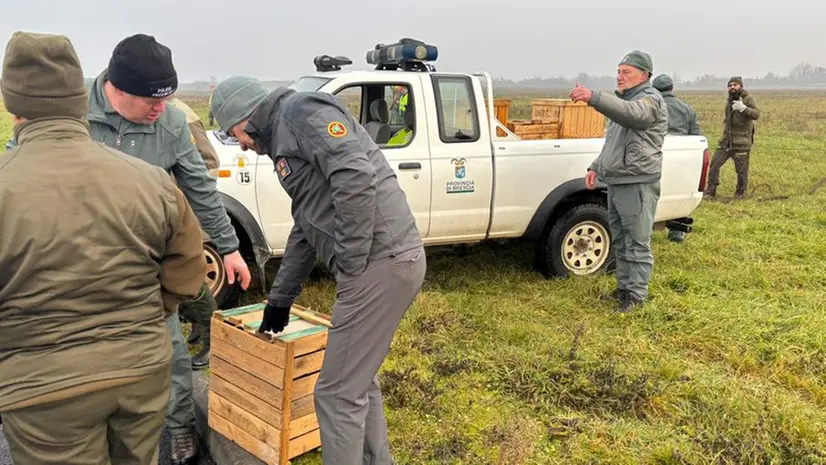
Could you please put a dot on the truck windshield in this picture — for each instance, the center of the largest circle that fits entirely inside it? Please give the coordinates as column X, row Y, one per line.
column 309, row 83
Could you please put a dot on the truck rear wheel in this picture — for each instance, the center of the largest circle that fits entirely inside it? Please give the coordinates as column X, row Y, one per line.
column 578, row 243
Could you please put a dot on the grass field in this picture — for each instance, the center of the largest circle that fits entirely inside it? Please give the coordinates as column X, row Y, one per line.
column 496, row 365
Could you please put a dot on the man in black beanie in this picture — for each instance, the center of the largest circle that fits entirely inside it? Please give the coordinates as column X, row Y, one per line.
column 128, row 111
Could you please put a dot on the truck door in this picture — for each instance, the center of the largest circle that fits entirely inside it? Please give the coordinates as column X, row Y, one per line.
column 461, row 159
column 390, row 112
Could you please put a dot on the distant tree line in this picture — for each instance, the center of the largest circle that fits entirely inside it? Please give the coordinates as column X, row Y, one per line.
column 803, row 75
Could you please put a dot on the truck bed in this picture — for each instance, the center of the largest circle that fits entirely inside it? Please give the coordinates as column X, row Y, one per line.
column 520, row 191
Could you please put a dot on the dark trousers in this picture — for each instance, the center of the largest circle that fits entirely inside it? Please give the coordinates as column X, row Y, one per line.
column 741, row 165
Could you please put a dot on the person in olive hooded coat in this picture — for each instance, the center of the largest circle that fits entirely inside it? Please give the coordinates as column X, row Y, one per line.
column 87, row 286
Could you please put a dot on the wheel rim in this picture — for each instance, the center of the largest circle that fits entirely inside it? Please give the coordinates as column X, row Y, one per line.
column 215, row 276
column 585, row 247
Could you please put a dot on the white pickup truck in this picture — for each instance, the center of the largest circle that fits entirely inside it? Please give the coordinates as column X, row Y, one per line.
column 464, row 182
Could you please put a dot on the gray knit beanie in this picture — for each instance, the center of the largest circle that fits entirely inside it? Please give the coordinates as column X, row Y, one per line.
column 639, row 60
column 663, row 83
column 235, row 99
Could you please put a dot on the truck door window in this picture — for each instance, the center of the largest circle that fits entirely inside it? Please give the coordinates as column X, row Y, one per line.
column 456, row 109
column 385, row 110
column 351, row 98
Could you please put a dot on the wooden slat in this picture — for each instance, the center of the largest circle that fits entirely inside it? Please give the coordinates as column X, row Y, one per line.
column 303, row 386
column 250, row 364
column 311, row 343
column 287, row 404
column 303, row 425
column 266, row 453
column 254, row 426
column 246, row 382
column 246, row 317
column 301, row 407
column 235, row 337
column 261, row 408
column 312, row 317
column 308, row 364
column 305, row 443
column 240, row 310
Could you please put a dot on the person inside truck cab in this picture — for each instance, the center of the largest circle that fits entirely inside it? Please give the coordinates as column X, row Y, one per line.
column 399, row 107
column 402, row 136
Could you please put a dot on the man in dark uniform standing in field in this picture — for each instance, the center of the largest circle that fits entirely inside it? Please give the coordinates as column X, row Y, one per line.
column 682, row 120
column 87, row 286
column 630, row 164
column 347, row 207
column 738, row 137
column 128, row 111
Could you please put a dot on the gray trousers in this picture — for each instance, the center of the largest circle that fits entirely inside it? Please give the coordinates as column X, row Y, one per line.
column 631, row 210
column 366, row 314
column 180, row 411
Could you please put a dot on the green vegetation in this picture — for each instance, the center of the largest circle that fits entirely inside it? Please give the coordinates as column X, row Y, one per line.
column 496, row 365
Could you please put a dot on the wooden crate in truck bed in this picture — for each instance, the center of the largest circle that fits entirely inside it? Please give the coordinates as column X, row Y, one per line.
column 532, row 129
column 576, row 120
column 261, row 387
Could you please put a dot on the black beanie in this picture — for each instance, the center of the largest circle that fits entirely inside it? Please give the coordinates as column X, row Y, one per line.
column 141, row 66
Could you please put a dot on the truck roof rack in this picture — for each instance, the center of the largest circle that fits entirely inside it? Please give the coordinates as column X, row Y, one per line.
column 326, row 63
column 407, row 54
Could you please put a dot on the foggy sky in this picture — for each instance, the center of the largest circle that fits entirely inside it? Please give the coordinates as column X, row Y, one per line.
column 516, row 39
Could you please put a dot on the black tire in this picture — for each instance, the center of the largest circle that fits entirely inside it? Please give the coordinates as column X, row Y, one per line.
column 226, row 295
column 582, row 228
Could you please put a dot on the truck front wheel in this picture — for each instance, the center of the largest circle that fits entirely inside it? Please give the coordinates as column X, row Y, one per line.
column 578, row 243
column 225, row 294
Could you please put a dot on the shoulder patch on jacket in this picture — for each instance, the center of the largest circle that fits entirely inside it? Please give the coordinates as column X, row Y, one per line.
column 283, row 168
column 337, row 129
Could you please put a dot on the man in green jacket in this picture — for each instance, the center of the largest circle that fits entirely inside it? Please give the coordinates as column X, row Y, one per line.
column 738, row 137
column 128, row 112
column 682, row 120
column 630, row 164
column 97, row 250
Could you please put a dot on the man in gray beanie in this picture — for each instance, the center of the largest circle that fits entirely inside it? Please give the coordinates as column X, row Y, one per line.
column 682, row 120
column 630, row 164
column 86, row 287
column 348, row 208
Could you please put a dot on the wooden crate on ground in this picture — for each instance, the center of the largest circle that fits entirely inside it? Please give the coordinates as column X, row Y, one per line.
column 576, row 120
column 261, row 387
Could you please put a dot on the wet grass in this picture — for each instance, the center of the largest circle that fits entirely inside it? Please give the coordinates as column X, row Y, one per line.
column 495, row 365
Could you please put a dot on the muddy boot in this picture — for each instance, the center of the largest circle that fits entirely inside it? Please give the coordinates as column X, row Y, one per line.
column 676, row 236
column 194, row 335
column 184, row 448
column 201, row 359
column 628, row 303
column 615, row 295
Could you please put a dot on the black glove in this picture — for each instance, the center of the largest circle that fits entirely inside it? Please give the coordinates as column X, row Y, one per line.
column 275, row 318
